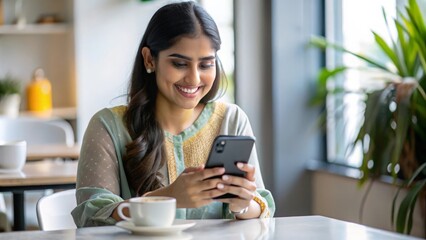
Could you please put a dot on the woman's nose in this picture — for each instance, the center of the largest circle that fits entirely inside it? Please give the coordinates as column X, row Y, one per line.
column 193, row 77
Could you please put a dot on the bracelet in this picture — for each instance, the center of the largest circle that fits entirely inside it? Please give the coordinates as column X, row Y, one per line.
column 242, row 211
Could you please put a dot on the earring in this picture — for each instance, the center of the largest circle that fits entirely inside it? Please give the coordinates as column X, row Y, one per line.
column 148, row 70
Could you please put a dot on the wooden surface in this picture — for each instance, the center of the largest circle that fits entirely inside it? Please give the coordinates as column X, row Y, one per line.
column 67, row 113
column 46, row 172
column 35, row 152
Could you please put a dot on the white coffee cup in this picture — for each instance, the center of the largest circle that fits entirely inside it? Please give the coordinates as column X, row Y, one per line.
column 13, row 155
column 153, row 211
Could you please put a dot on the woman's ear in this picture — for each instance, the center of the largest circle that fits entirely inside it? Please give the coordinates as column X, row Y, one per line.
column 148, row 60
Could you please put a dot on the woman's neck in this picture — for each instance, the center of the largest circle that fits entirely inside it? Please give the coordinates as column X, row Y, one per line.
column 175, row 120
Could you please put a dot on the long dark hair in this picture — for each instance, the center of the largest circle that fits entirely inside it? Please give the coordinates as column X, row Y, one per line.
column 145, row 156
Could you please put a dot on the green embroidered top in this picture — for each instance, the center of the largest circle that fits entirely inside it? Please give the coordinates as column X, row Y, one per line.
column 101, row 179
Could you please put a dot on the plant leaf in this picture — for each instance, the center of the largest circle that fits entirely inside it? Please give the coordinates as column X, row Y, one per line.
column 322, row 43
column 389, row 52
column 321, row 91
column 402, row 124
column 404, row 217
column 403, row 208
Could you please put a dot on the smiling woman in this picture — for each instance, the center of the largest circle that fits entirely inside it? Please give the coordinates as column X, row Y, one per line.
column 186, row 73
column 158, row 143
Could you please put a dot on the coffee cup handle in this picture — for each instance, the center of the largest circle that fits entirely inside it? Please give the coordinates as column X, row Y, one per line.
column 120, row 210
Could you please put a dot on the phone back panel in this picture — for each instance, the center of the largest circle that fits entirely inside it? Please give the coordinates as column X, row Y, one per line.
column 228, row 150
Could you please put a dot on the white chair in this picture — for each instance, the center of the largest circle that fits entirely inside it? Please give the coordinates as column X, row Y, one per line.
column 36, row 131
column 54, row 211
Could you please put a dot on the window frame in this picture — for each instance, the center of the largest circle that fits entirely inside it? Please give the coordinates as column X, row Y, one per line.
column 337, row 137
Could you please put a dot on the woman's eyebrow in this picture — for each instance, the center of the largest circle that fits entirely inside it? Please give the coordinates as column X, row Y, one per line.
column 177, row 55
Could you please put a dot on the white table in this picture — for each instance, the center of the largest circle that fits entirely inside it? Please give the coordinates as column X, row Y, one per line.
column 37, row 175
column 299, row 228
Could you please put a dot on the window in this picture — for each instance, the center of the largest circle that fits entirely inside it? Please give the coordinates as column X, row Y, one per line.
column 349, row 23
column 222, row 12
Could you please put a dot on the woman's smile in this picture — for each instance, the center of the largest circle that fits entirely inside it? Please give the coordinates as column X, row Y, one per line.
column 185, row 72
column 189, row 92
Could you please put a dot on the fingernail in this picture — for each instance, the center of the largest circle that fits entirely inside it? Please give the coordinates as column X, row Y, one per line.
column 220, row 186
column 225, row 178
column 240, row 165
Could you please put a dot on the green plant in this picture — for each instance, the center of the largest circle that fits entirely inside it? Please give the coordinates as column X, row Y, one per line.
column 9, row 85
column 393, row 132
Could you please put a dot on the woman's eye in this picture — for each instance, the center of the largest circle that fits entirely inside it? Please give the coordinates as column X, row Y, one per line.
column 179, row 64
column 206, row 65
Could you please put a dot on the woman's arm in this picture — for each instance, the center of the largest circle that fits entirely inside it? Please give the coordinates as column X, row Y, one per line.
column 98, row 188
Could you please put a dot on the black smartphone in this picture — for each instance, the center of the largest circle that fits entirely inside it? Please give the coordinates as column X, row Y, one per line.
column 227, row 151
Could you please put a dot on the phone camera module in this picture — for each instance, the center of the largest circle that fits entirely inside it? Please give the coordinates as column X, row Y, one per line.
column 220, row 146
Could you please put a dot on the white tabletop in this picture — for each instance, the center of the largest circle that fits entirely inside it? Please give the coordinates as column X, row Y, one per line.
column 300, row 228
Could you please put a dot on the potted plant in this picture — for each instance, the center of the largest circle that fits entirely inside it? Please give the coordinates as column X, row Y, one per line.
column 10, row 97
column 393, row 132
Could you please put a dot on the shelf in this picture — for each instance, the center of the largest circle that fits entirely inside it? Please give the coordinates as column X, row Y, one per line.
column 34, row 29
column 68, row 113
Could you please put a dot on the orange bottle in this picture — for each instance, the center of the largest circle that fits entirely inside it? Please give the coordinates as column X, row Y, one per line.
column 39, row 92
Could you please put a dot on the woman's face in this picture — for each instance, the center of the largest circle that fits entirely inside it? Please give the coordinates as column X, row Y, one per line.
column 185, row 72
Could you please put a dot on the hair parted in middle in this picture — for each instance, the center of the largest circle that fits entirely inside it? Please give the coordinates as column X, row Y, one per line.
column 144, row 155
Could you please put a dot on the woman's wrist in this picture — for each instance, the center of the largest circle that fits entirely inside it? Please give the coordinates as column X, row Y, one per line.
column 251, row 211
column 115, row 215
column 158, row 192
column 242, row 211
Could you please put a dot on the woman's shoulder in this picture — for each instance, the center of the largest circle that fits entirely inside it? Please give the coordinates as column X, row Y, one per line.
column 234, row 120
column 231, row 109
column 111, row 119
column 109, row 114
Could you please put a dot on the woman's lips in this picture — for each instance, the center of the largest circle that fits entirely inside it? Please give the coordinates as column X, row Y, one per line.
column 187, row 91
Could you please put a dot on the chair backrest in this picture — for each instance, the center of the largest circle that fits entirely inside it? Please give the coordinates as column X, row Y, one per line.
column 54, row 211
column 36, row 131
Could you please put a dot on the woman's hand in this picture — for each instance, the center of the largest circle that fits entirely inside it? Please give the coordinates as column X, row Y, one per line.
column 194, row 188
column 244, row 188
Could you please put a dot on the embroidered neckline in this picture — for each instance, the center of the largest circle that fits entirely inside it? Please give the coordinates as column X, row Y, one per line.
column 199, row 123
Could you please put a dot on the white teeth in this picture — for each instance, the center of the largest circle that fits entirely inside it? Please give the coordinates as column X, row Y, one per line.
column 188, row 90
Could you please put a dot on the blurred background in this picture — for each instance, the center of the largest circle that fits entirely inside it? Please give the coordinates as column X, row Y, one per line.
column 87, row 48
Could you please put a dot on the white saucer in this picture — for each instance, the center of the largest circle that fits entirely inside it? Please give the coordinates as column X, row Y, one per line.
column 145, row 230
column 8, row 171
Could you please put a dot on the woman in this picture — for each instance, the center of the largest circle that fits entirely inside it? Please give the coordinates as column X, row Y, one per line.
column 159, row 142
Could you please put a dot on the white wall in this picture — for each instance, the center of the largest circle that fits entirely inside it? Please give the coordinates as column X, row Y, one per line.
column 274, row 71
column 107, row 35
column 296, row 137
column 253, row 75
column 340, row 197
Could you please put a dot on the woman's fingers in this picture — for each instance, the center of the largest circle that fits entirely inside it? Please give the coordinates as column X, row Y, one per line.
column 210, row 183
column 239, row 182
column 193, row 169
column 211, row 194
column 200, row 186
column 242, row 193
column 238, row 203
column 249, row 169
column 209, row 173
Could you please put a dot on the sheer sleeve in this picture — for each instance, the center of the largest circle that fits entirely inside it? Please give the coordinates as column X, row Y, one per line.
column 98, row 187
column 98, row 166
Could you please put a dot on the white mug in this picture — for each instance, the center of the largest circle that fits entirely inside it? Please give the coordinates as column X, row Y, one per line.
column 13, row 155
column 153, row 211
